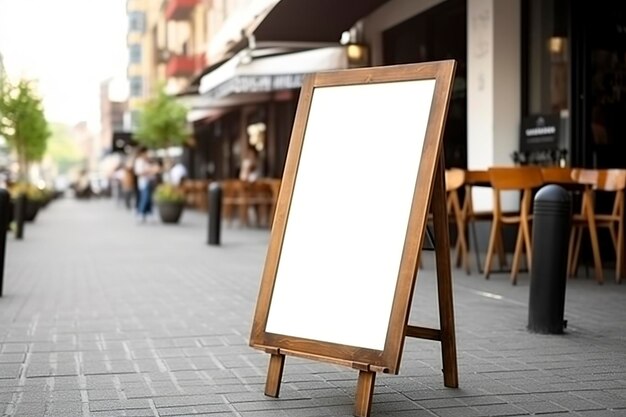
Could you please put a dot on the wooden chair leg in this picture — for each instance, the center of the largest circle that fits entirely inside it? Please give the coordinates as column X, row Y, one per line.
column 460, row 246
column 527, row 245
column 243, row 214
column 501, row 251
column 457, row 246
column 595, row 248
column 519, row 241
column 462, row 250
column 579, row 237
column 619, row 255
column 570, row 252
column 613, row 236
column 495, row 231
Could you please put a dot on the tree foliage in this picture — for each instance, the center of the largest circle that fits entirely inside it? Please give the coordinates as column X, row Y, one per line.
column 23, row 123
column 162, row 122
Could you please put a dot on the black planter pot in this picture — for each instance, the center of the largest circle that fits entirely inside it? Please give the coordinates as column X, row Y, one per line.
column 32, row 208
column 170, row 212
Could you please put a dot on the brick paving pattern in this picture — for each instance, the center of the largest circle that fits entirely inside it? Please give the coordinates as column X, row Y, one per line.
column 105, row 317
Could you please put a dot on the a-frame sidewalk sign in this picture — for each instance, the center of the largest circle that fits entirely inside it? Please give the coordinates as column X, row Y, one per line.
column 364, row 169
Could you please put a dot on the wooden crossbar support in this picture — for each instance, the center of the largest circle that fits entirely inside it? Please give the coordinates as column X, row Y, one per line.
column 423, row 333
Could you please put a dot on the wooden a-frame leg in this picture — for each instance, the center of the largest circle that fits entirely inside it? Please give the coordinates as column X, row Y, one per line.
column 274, row 375
column 364, row 393
column 444, row 280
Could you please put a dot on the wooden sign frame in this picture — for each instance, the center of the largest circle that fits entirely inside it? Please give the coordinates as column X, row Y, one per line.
column 428, row 194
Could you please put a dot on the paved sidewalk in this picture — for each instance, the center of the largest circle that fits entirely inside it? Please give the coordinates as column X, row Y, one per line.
column 106, row 317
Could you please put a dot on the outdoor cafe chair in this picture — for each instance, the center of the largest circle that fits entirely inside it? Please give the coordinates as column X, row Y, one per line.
column 477, row 178
column 604, row 181
column 523, row 179
column 234, row 201
column 262, row 196
column 455, row 179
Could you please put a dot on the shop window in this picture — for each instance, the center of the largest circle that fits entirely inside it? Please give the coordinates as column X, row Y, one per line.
column 548, row 62
column 136, row 21
column 134, row 53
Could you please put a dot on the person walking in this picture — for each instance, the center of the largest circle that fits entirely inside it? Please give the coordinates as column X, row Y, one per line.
column 144, row 173
column 177, row 173
column 128, row 185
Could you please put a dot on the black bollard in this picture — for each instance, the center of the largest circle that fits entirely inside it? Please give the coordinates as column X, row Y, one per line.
column 215, row 213
column 548, row 275
column 5, row 201
column 20, row 215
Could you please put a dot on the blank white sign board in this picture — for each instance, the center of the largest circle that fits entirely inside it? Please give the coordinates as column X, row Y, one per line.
column 349, row 212
column 364, row 162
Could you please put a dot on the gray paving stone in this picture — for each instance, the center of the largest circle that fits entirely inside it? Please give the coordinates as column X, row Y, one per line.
column 120, row 319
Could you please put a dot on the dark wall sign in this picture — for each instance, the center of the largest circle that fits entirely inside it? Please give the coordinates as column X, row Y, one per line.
column 539, row 132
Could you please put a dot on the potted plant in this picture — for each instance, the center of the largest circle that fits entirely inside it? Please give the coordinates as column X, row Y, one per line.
column 163, row 124
column 170, row 201
column 35, row 198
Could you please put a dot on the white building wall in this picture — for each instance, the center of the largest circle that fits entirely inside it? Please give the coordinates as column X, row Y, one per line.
column 493, row 88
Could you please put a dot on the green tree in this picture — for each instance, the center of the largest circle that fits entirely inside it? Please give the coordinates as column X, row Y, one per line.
column 23, row 123
column 162, row 122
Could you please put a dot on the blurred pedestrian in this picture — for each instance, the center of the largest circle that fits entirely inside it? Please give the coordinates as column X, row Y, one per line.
column 178, row 173
column 249, row 165
column 127, row 181
column 144, row 171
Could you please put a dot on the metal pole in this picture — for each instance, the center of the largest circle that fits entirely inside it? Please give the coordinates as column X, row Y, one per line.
column 215, row 213
column 548, row 275
column 20, row 215
column 4, row 226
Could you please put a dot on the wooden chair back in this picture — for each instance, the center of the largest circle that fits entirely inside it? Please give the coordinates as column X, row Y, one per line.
column 477, row 177
column 585, row 176
column 611, row 180
column 515, row 178
column 557, row 175
column 234, row 201
column 455, row 179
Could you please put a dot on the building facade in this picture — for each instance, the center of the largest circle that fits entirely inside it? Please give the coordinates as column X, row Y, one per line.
column 166, row 44
column 519, row 62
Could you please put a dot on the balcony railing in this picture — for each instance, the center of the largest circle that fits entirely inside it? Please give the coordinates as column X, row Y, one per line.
column 179, row 9
column 184, row 65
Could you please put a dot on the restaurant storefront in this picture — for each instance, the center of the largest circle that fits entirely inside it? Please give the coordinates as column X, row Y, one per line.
column 517, row 59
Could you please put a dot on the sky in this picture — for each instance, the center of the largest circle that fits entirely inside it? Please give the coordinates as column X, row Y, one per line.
column 70, row 47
